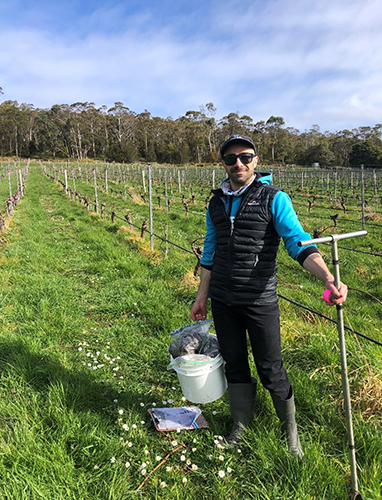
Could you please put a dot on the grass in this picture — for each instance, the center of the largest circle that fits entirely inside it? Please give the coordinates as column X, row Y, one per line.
column 86, row 313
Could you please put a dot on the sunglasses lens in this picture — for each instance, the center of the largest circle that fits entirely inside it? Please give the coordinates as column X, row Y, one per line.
column 246, row 158
column 230, row 160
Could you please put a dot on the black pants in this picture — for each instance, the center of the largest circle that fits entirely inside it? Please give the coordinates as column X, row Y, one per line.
column 263, row 326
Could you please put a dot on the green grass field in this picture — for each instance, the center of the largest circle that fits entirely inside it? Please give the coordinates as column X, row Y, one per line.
column 86, row 313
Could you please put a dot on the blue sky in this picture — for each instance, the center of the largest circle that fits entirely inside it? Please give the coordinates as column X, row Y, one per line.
column 309, row 61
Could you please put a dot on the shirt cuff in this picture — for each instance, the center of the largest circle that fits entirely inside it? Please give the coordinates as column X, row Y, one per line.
column 206, row 267
column 305, row 253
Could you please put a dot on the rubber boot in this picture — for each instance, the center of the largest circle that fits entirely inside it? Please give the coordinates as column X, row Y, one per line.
column 242, row 399
column 286, row 412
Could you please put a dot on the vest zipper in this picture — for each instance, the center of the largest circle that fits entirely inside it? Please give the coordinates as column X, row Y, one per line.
column 232, row 219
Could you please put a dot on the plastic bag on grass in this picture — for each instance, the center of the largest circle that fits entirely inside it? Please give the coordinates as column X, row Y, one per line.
column 192, row 344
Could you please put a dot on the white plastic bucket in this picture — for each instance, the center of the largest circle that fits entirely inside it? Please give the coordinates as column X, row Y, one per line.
column 202, row 383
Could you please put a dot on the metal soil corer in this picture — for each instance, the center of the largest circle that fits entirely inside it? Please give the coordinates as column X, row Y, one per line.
column 354, row 494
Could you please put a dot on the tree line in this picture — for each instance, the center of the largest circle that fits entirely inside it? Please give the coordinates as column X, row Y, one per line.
column 82, row 131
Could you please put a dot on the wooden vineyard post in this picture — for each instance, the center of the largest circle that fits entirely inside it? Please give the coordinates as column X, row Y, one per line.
column 95, row 190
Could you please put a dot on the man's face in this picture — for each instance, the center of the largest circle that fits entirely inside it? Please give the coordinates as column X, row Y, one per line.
column 240, row 174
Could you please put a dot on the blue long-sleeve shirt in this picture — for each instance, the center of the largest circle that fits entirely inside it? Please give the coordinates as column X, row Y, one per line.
column 285, row 221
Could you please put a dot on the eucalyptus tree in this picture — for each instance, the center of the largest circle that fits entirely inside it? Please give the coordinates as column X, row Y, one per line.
column 50, row 136
column 370, row 134
column 366, row 153
column 293, row 147
column 103, row 132
column 13, row 129
column 321, row 153
column 29, row 114
column 210, row 126
column 194, row 129
column 146, row 136
column 161, row 139
column 177, row 141
column 276, row 134
column 122, row 127
column 274, row 126
column 378, row 131
column 234, row 124
column 78, row 129
column 260, row 138
column 162, row 136
column 341, row 144
column 93, row 130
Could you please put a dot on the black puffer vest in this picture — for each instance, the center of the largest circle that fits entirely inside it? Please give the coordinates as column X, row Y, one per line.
column 244, row 269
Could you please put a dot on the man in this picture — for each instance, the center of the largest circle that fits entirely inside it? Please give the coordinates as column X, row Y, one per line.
column 246, row 219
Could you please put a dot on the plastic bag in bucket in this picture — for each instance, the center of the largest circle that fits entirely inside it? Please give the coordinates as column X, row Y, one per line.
column 196, row 358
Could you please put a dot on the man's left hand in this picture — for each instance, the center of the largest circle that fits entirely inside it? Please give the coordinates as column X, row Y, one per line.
column 337, row 295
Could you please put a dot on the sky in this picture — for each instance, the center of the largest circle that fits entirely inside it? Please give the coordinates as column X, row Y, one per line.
column 312, row 62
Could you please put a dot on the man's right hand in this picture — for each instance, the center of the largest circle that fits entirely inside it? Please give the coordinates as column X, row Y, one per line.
column 199, row 311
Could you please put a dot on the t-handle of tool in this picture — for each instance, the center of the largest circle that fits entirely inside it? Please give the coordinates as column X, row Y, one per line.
column 354, row 494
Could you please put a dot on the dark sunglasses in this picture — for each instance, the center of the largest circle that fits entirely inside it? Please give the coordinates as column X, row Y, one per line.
column 245, row 158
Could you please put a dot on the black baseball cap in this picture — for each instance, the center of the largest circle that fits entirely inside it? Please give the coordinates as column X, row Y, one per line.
column 237, row 138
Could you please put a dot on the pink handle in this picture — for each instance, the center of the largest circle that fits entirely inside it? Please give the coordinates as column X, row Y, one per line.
column 326, row 297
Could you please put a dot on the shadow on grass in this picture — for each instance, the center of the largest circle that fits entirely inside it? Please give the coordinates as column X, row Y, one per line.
column 42, row 371
column 112, row 229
